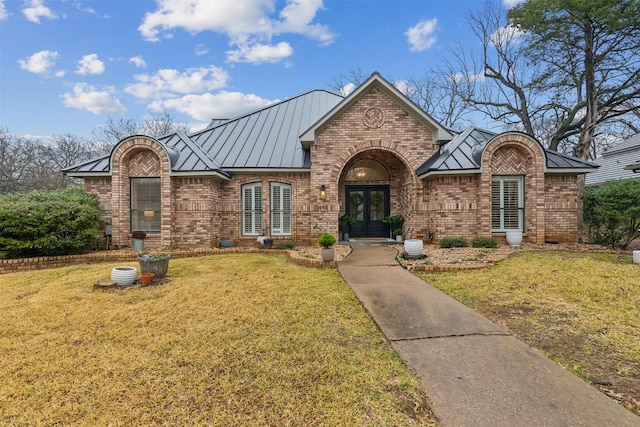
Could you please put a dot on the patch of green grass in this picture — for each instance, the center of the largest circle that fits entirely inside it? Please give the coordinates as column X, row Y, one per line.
column 231, row 340
column 581, row 309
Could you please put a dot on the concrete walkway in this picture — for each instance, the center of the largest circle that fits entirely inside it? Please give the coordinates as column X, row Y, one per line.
column 473, row 372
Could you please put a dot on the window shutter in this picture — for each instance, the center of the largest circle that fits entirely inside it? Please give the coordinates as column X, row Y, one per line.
column 280, row 209
column 286, row 210
column 252, row 209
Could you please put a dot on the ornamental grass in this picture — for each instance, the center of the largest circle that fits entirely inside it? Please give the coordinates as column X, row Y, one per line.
column 228, row 340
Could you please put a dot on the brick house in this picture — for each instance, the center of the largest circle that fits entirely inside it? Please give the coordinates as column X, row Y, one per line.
column 291, row 169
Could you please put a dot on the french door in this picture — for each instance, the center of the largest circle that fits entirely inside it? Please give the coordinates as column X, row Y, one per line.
column 368, row 205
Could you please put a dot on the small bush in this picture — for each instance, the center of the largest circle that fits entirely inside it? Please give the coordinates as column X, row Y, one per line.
column 48, row 223
column 453, row 242
column 484, row 242
column 611, row 212
column 326, row 240
column 285, row 245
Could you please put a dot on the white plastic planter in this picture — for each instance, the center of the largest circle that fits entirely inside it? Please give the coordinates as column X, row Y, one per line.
column 413, row 247
column 514, row 238
column 124, row 276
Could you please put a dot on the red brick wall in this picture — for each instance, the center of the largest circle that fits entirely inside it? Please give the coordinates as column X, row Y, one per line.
column 561, row 208
column 399, row 141
column 200, row 211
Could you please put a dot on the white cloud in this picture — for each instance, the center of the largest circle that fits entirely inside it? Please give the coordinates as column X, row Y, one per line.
column 37, row 10
column 167, row 82
column 3, row 11
column 86, row 97
column 250, row 26
column 90, row 64
column 205, row 106
column 420, row 36
column 39, row 62
column 259, row 53
column 347, row 89
column 511, row 3
column 138, row 61
column 201, row 49
column 460, row 78
column 506, row 35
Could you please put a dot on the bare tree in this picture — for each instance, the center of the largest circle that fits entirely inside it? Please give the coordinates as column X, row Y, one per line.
column 156, row 125
column 442, row 94
column 344, row 84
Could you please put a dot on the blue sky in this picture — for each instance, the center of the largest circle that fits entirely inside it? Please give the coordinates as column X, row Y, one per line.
column 67, row 65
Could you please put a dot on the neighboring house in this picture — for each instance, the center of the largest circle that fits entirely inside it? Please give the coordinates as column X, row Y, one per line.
column 617, row 162
column 291, row 169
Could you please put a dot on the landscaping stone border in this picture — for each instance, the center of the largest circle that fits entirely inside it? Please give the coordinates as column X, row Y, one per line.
column 39, row 263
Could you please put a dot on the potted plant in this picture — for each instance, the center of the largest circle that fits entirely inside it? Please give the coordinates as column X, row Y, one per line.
column 398, row 233
column 345, row 221
column 327, row 240
column 137, row 240
column 157, row 263
column 395, row 222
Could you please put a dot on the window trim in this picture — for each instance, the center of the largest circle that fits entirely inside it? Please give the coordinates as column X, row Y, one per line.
column 256, row 211
column 282, row 213
column 500, row 180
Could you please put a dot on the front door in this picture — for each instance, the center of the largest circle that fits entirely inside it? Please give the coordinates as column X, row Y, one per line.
column 368, row 204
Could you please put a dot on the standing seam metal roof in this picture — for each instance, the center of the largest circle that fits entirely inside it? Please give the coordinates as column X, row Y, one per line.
column 464, row 153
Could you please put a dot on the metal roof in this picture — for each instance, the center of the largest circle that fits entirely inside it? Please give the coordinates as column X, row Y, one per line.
column 464, row 154
column 614, row 161
column 267, row 138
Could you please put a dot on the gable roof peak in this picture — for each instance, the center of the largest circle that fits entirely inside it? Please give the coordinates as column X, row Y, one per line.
column 441, row 134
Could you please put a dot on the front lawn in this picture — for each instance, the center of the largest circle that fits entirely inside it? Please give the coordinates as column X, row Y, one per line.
column 230, row 340
column 581, row 309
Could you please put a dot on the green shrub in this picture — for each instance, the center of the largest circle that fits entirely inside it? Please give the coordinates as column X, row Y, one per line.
column 453, row 242
column 46, row 223
column 612, row 212
column 285, row 245
column 326, row 240
column 484, row 242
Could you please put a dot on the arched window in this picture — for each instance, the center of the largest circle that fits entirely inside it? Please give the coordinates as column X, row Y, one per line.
column 367, row 170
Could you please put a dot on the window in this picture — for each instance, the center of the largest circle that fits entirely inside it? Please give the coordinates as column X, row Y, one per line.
column 507, row 203
column 367, row 170
column 145, row 205
column 252, row 209
column 280, row 209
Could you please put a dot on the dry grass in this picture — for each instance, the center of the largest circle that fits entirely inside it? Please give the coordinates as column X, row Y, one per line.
column 230, row 340
column 582, row 309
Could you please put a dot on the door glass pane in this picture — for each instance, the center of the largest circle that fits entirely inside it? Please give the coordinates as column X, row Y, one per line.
column 376, row 198
column 356, row 199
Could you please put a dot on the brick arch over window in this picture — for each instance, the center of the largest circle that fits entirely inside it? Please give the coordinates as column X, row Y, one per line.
column 521, row 155
column 136, row 157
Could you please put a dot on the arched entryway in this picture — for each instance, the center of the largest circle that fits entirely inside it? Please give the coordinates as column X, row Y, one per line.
column 367, row 198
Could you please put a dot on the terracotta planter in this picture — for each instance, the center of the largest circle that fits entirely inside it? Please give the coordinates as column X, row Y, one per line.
column 147, row 278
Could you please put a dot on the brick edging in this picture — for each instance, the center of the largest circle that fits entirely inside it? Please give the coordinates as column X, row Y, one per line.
column 39, row 263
